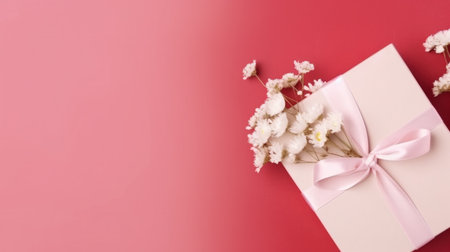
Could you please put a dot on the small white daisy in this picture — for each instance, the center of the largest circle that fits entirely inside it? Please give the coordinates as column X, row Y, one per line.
column 258, row 115
column 314, row 87
column 333, row 122
column 290, row 80
column 441, row 39
column 249, row 70
column 296, row 144
column 303, row 67
column 262, row 133
column 274, row 86
column 318, row 137
column 436, row 91
column 442, row 84
column 260, row 157
column 279, row 124
column 437, row 41
column 313, row 113
column 299, row 125
column 275, row 104
column 276, row 152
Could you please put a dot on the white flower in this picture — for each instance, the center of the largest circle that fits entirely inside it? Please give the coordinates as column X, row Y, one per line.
column 333, row 122
column 296, row 144
column 439, row 49
column 442, row 84
column 314, row 87
column 299, row 92
column 290, row 80
column 299, row 125
column 313, row 113
column 443, row 81
column 276, row 152
column 260, row 157
column 318, row 137
column 274, row 86
column 430, row 43
column 437, row 41
column 261, row 134
column 303, row 67
column 258, row 115
column 436, row 91
column 251, row 123
column 441, row 39
column 279, row 124
column 275, row 104
column 249, row 70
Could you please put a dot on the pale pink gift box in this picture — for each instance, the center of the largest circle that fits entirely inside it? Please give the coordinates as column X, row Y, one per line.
column 360, row 218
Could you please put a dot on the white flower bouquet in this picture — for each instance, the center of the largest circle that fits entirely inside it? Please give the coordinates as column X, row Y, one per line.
column 312, row 135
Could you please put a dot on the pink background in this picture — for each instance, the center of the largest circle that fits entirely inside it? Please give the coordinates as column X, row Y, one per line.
column 122, row 122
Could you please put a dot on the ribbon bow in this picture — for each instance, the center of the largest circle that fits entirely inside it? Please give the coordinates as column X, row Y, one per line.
column 344, row 173
column 332, row 176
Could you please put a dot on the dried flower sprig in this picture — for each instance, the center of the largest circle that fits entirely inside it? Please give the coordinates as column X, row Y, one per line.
column 443, row 83
column 439, row 42
column 313, row 135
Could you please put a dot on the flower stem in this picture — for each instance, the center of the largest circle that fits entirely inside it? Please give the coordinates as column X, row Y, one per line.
column 293, row 86
column 445, row 57
column 315, row 153
column 300, row 161
column 339, row 147
column 309, row 153
column 286, row 98
column 292, row 99
column 446, row 51
column 335, row 154
column 302, row 80
column 445, row 89
column 260, row 81
column 349, row 145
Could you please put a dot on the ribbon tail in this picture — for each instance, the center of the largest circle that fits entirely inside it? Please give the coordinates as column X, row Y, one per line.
column 404, row 209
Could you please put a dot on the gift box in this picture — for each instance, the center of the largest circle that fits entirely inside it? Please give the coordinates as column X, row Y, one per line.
column 399, row 199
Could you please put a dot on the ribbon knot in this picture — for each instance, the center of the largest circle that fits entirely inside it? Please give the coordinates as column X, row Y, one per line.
column 332, row 176
column 370, row 160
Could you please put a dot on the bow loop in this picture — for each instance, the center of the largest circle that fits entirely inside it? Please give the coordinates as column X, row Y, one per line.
column 408, row 145
column 339, row 173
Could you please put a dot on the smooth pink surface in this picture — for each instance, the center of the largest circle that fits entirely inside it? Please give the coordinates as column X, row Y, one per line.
column 122, row 122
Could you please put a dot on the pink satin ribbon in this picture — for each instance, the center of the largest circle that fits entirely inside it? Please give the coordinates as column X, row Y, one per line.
column 332, row 176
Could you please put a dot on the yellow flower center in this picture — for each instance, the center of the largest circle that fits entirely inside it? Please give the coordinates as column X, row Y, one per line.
column 318, row 136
